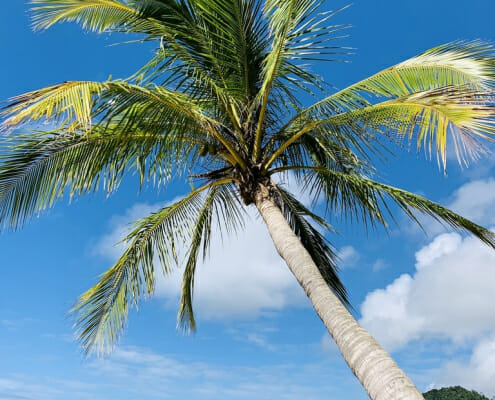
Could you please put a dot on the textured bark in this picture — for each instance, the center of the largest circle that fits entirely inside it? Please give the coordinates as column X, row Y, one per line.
column 376, row 370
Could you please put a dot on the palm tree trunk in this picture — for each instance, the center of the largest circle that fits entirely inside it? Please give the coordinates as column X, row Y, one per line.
column 372, row 365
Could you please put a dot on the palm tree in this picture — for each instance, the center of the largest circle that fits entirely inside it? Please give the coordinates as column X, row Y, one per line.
column 220, row 102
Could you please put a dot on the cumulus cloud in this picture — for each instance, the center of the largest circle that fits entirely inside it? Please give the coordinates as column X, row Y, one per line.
column 242, row 277
column 451, row 292
column 476, row 200
column 478, row 373
column 450, row 295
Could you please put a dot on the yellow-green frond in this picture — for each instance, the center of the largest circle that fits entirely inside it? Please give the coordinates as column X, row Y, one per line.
column 454, row 115
column 434, row 117
column 94, row 15
column 72, row 102
column 466, row 64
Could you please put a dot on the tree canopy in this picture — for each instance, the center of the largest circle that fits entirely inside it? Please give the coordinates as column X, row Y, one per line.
column 453, row 393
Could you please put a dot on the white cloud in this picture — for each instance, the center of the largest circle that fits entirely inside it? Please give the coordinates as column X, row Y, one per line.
column 477, row 374
column 109, row 246
column 151, row 375
column 348, row 256
column 450, row 295
column 154, row 375
column 242, row 277
column 379, row 265
column 451, row 292
column 476, row 200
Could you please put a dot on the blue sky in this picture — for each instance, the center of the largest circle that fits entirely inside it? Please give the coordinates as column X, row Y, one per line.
column 427, row 299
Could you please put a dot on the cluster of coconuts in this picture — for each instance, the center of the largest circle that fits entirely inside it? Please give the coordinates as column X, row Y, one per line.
column 208, row 148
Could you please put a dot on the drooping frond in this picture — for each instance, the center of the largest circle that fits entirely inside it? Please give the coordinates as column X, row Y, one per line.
column 81, row 102
column 463, row 64
column 102, row 310
column 72, row 102
column 79, row 105
column 222, row 204
column 320, row 250
column 200, row 237
column 38, row 169
column 366, row 200
column 431, row 117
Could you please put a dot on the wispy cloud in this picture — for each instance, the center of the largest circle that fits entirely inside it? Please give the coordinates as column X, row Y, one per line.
column 137, row 373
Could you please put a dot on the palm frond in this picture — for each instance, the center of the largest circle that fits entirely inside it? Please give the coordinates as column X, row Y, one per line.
column 366, row 200
column 36, row 169
column 94, row 15
column 291, row 24
column 102, row 310
column 461, row 63
column 79, row 103
column 463, row 114
column 320, row 250
column 320, row 150
column 179, row 29
column 69, row 101
column 431, row 116
column 222, row 204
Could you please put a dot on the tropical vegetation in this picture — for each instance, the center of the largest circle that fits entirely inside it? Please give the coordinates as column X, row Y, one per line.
column 220, row 103
column 453, row 393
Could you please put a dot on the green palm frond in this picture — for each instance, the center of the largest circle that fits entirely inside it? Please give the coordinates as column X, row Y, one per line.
column 94, row 15
column 102, row 310
column 320, row 250
column 293, row 29
column 200, row 237
column 222, row 204
column 79, row 105
column 364, row 199
column 81, row 102
column 38, row 169
column 430, row 116
column 320, row 151
column 462, row 63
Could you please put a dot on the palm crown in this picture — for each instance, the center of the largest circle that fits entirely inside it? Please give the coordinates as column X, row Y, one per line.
column 220, row 101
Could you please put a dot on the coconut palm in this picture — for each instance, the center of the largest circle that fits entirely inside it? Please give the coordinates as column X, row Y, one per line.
column 220, row 102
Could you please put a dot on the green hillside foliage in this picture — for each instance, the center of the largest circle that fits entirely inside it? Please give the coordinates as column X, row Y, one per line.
column 453, row 393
